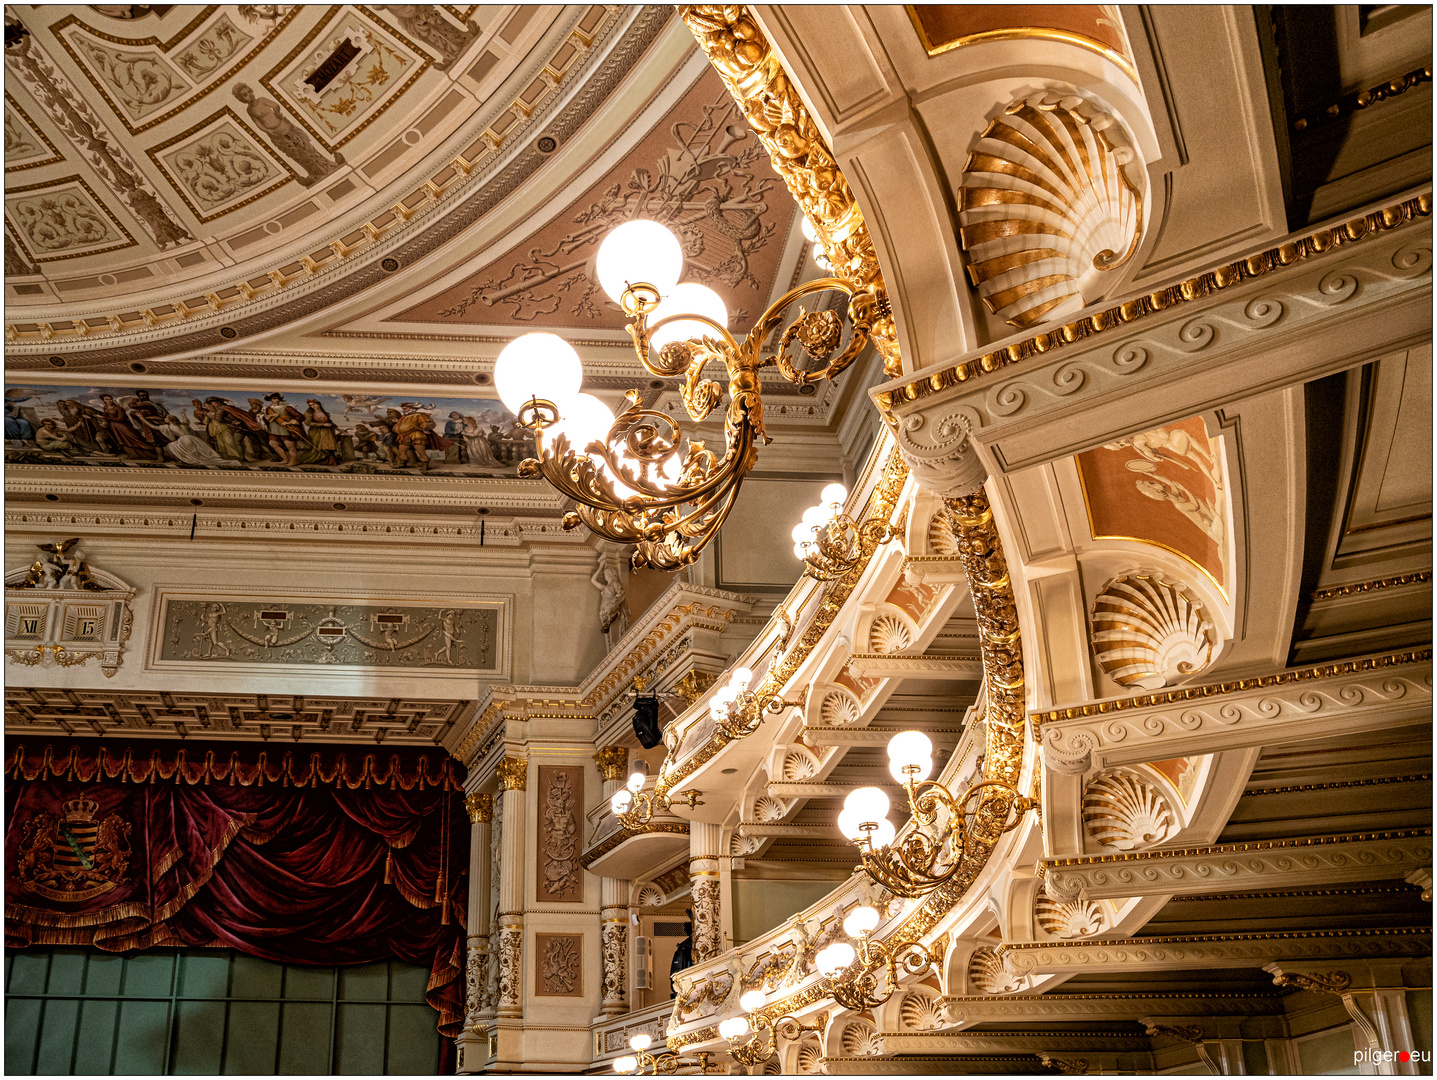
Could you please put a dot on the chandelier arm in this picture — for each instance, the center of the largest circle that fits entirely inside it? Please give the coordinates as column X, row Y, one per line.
column 640, row 330
column 666, row 554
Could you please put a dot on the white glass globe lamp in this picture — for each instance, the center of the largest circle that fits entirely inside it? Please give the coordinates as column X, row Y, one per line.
column 741, row 677
column 687, row 298
column 871, row 802
column 835, row 958
column 923, row 770
column 834, row 493
column 641, row 1041
column 636, row 781
column 814, row 516
column 637, row 252
column 584, row 418
column 909, row 747
column 735, row 1027
column 537, row 365
column 626, row 1064
column 860, row 921
column 752, row 1001
column 620, row 802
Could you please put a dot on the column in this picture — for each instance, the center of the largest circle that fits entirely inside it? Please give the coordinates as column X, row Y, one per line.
column 614, row 901
column 704, row 851
column 473, row 1041
column 513, row 779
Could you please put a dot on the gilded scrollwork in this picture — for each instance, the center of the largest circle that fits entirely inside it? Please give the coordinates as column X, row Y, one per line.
column 774, row 109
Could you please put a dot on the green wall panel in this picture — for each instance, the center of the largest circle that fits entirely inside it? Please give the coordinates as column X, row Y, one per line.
column 207, row 1012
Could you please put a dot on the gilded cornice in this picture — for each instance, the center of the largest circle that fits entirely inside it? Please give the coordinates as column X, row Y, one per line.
column 1359, row 587
column 480, row 728
column 1235, row 849
column 609, row 843
column 1272, row 261
column 739, row 52
column 1194, row 693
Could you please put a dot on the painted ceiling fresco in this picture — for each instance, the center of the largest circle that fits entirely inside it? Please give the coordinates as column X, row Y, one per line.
column 1163, row 487
column 188, row 136
column 261, row 430
column 700, row 171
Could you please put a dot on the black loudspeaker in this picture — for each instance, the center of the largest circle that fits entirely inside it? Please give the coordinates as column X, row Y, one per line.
column 646, row 722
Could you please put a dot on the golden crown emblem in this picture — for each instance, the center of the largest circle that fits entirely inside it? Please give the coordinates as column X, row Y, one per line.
column 81, row 809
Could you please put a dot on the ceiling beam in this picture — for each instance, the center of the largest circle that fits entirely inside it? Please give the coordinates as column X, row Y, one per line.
column 1252, row 866
column 1103, row 1008
column 1352, row 697
column 1127, row 956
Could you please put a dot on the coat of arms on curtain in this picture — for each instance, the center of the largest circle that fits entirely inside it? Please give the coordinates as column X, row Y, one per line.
column 74, row 857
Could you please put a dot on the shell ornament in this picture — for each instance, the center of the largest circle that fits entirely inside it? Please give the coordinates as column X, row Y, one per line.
column 839, row 708
column 988, row 974
column 1047, row 210
column 767, row 808
column 921, row 1011
column 1070, row 919
column 1150, row 631
column 799, row 764
column 889, row 634
column 860, row 1039
column 810, row 1057
column 649, row 896
column 941, row 540
column 1121, row 811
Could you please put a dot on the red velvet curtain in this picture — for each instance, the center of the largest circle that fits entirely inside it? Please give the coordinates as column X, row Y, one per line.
column 337, row 856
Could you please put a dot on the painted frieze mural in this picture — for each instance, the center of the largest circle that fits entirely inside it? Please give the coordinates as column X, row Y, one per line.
column 700, row 171
column 223, row 630
column 260, row 430
column 1163, row 487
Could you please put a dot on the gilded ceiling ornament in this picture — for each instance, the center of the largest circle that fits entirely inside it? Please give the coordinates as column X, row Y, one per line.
column 739, row 52
column 1151, row 631
column 1047, row 209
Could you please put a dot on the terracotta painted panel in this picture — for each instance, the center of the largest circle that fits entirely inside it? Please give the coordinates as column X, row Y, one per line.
column 1163, row 487
column 701, row 171
column 561, row 801
column 947, row 26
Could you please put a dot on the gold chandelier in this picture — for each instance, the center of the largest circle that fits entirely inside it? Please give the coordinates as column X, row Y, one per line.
column 945, row 826
column 665, row 1061
column 753, row 1039
column 635, row 480
column 635, row 808
column 831, row 544
column 876, row 978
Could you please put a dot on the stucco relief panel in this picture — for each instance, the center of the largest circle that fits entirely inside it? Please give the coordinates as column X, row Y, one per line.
column 26, row 146
column 561, row 801
column 139, row 81
column 147, row 81
column 63, row 220
column 221, row 166
column 559, row 965
column 344, row 75
column 309, row 632
column 700, row 171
